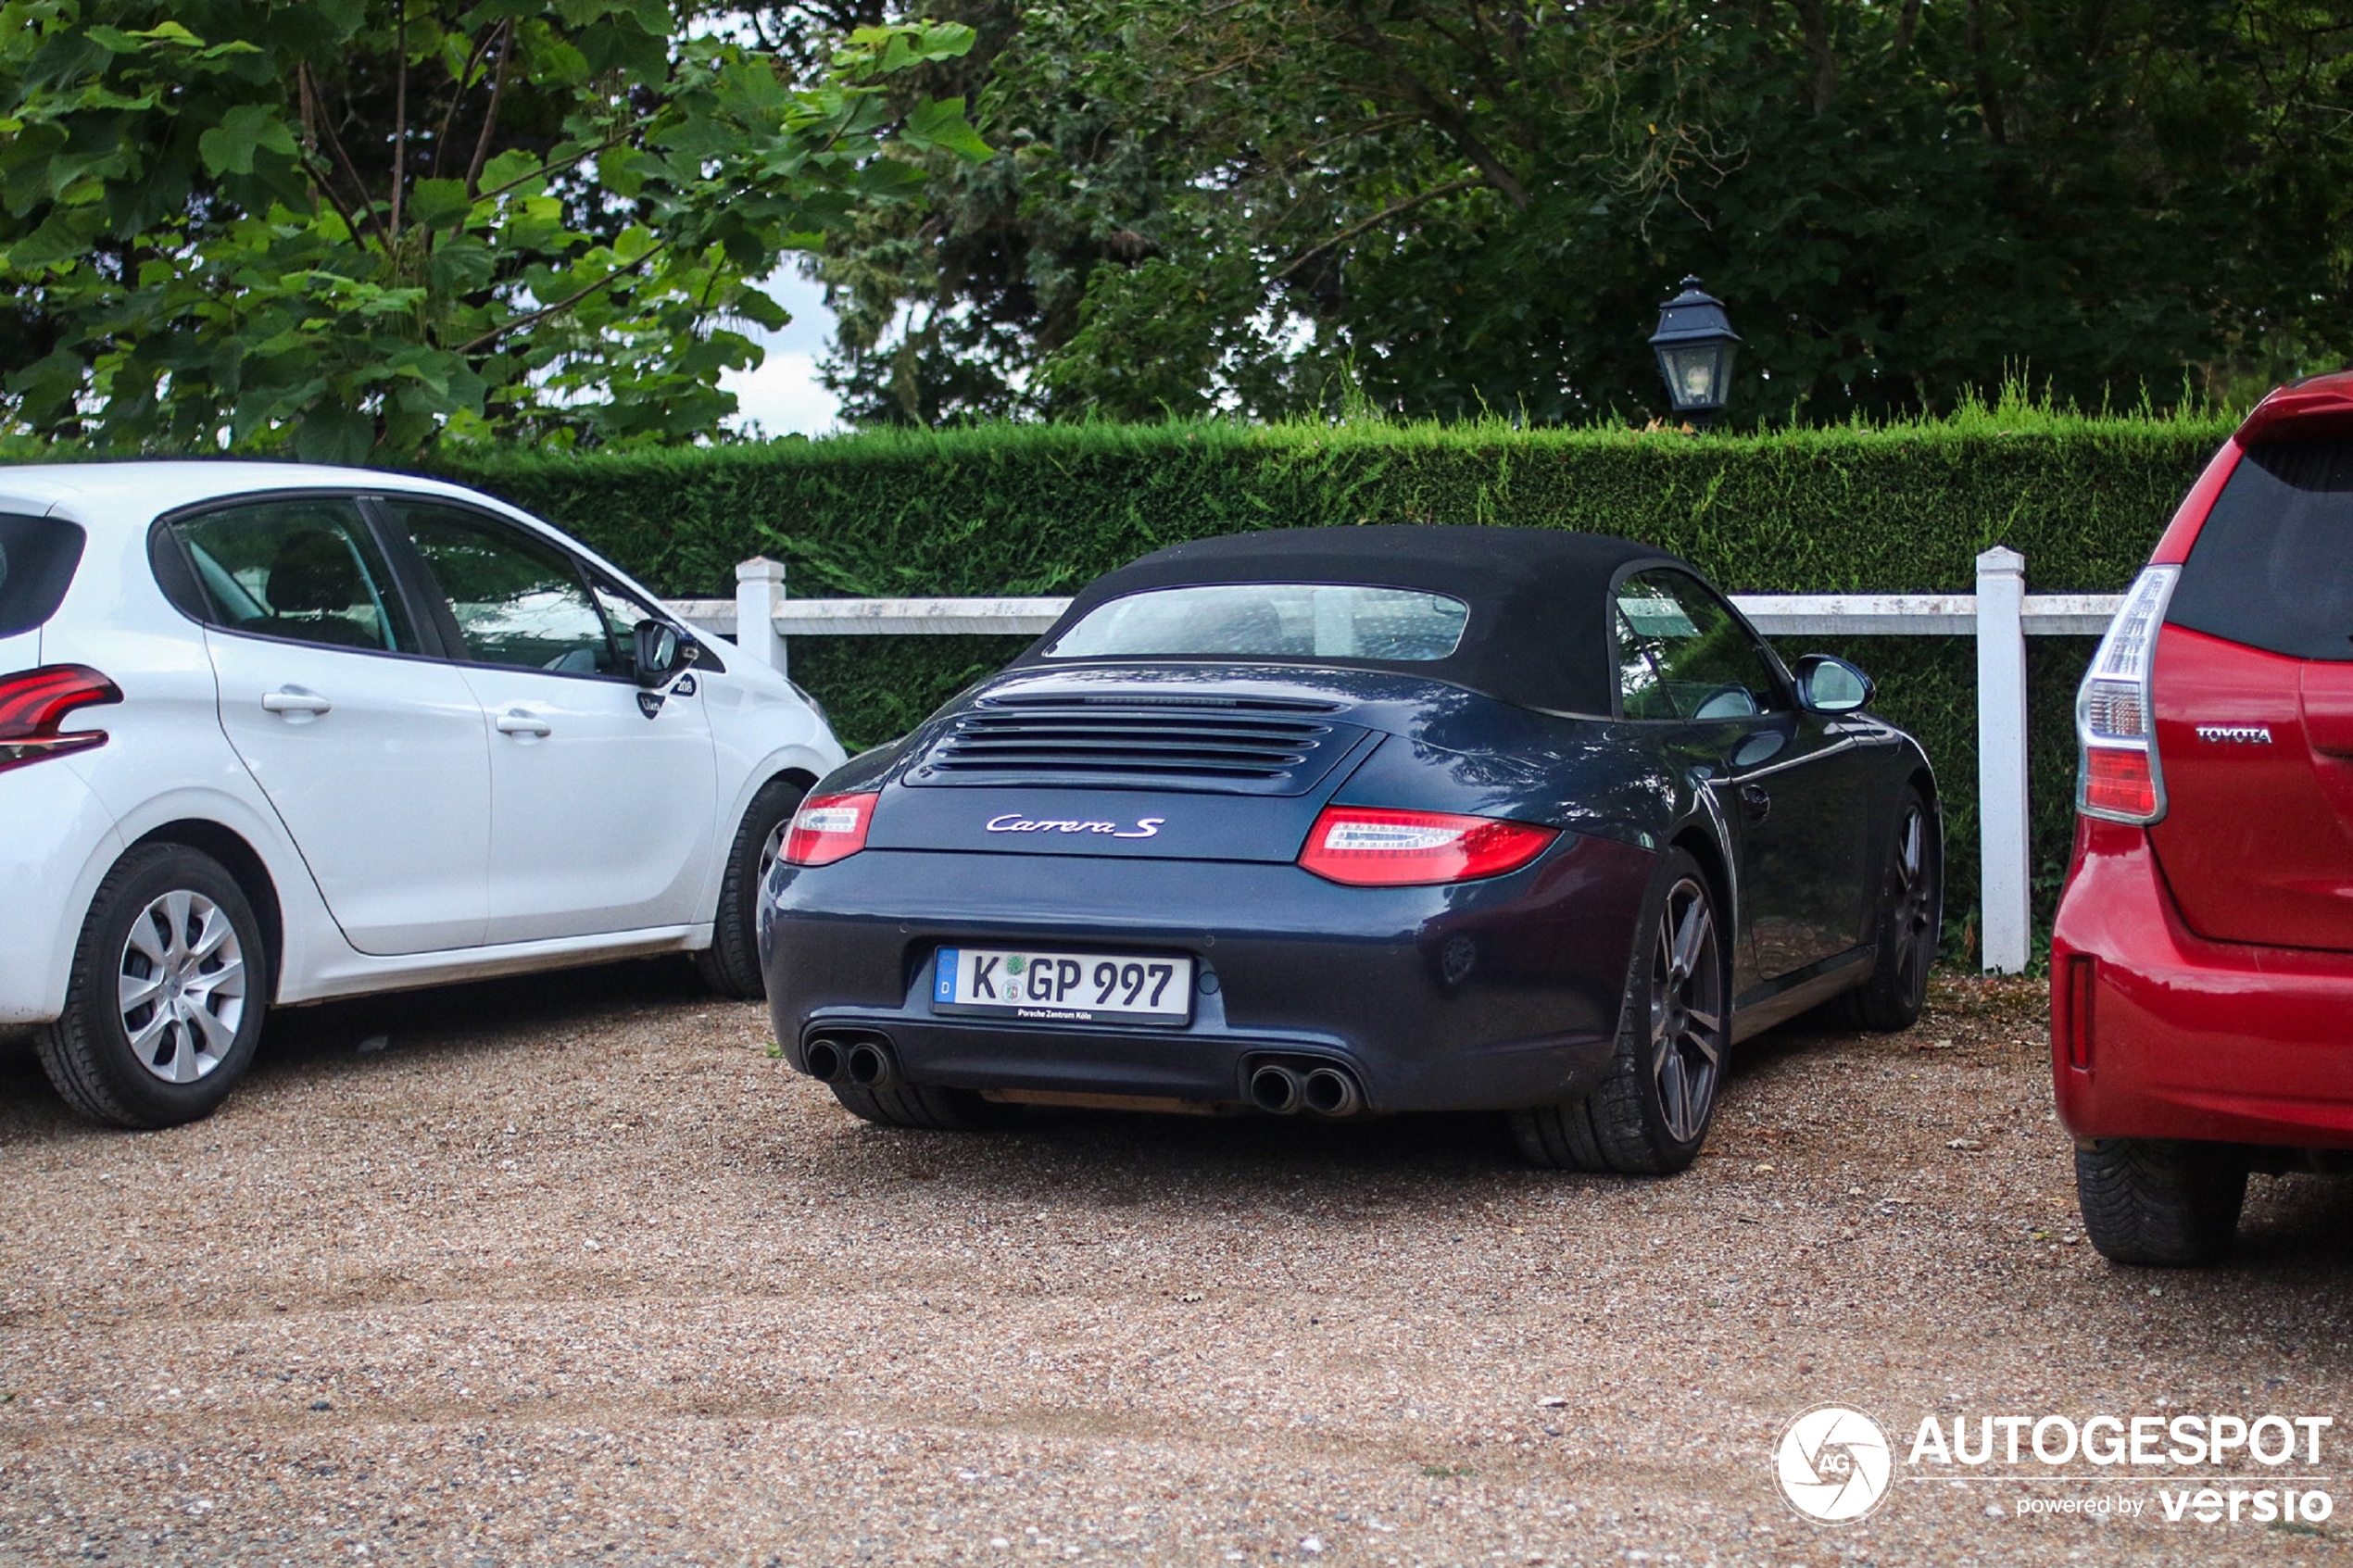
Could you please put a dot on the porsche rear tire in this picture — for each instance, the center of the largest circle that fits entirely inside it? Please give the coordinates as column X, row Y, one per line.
column 925, row 1108
column 1911, row 903
column 1651, row 1113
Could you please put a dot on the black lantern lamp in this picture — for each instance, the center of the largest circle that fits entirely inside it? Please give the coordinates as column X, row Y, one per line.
column 1695, row 345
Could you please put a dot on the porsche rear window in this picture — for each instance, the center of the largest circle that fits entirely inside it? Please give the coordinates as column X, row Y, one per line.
column 1280, row 620
column 2272, row 567
column 37, row 559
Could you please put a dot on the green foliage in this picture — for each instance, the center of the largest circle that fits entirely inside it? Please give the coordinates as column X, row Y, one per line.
column 1040, row 510
column 1457, row 205
column 875, row 688
column 342, row 228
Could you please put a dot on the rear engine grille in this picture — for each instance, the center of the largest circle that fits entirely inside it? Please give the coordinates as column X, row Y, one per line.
column 1273, row 747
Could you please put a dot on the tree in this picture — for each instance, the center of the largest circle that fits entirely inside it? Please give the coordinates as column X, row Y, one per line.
column 349, row 228
column 1450, row 205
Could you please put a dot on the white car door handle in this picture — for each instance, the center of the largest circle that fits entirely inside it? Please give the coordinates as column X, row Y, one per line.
column 521, row 724
column 294, row 699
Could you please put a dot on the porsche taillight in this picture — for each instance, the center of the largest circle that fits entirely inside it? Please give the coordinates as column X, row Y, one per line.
column 2116, row 710
column 1373, row 846
column 828, row 828
column 33, row 703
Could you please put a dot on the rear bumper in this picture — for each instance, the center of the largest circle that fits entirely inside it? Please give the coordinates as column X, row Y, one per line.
column 55, row 840
column 1480, row 996
column 2157, row 1033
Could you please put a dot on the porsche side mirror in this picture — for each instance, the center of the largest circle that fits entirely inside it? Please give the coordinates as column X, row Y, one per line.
column 1830, row 684
column 660, row 652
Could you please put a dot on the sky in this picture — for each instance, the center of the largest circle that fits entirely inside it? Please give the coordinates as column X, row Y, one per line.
column 783, row 396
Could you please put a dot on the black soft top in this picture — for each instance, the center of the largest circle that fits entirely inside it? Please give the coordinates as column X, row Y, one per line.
column 1538, row 634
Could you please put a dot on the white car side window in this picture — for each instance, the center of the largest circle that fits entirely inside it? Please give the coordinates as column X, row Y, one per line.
column 306, row 570
column 517, row 600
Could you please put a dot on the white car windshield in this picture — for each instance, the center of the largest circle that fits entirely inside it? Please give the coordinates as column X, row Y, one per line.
column 1270, row 621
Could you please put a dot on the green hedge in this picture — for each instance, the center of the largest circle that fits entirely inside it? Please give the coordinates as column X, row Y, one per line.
column 1040, row 510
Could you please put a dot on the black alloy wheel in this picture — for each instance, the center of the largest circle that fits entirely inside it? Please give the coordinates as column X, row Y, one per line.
column 1650, row 1112
column 1686, row 1011
column 1911, row 918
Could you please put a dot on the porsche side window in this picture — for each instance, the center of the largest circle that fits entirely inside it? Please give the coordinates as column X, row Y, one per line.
column 1641, row 693
column 307, row 571
column 1682, row 656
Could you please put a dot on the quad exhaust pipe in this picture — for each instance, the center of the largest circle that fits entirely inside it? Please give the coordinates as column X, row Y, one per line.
column 870, row 1066
column 1330, row 1092
column 1279, row 1088
column 864, row 1060
column 1276, row 1090
column 1325, row 1090
column 824, row 1058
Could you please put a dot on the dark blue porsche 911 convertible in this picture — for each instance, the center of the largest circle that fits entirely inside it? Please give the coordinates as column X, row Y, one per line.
column 1341, row 821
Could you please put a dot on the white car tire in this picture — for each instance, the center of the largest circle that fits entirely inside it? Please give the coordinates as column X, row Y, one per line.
column 731, row 964
column 171, row 981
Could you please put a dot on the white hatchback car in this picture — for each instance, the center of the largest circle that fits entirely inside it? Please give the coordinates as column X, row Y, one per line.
column 272, row 734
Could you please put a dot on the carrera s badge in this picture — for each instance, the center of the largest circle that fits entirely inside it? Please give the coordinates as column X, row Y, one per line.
column 1014, row 822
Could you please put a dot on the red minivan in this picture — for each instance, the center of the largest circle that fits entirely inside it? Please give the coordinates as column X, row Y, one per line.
column 2202, row 967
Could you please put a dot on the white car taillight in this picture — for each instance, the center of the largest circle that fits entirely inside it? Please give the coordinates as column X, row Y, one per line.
column 2116, row 710
column 33, row 703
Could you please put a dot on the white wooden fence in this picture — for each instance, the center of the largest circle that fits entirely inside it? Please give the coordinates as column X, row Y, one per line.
column 2001, row 615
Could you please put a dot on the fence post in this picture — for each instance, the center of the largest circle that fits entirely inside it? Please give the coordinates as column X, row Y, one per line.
column 2001, row 760
column 760, row 593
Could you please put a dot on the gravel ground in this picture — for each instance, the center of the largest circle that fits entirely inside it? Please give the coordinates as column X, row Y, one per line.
column 571, row 1271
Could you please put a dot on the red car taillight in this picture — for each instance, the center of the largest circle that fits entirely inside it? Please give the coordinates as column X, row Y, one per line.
column 2119, row 784
column 34, row 702
column 1370, row 846
column 828, row 828
column 2116, row 710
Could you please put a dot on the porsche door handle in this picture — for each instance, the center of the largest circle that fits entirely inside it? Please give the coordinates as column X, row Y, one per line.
column 1756, row 803
column 521, row 724
column 295, row 699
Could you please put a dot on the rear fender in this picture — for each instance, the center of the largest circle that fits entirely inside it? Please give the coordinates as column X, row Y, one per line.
column 308, row 937
column 1589, row 779
column 869, row 769
column 1579, row 777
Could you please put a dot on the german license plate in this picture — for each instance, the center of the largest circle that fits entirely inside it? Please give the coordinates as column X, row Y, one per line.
column 1064, row 987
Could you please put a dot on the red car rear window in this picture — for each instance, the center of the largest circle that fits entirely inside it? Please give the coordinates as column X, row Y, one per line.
column 2273, row 566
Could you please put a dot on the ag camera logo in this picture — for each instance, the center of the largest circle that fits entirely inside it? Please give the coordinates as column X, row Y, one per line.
column 1833, row 1464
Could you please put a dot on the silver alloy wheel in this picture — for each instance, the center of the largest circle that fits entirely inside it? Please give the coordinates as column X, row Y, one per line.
column 180, row 986
column 1686, row 1010
column 1914, row 895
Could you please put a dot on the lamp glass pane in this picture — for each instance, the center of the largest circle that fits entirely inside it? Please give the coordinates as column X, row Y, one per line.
column 1695, row 374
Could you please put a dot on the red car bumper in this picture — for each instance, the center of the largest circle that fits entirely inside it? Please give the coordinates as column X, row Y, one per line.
column 2157, row 1033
